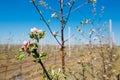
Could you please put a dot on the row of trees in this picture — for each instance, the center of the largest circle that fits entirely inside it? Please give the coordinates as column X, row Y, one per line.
column 95, row 34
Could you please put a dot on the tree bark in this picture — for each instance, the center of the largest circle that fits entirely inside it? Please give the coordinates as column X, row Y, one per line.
column 62, row 34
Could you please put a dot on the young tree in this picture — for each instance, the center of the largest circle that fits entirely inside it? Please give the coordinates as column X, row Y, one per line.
column 63, row 21
column 32, row 48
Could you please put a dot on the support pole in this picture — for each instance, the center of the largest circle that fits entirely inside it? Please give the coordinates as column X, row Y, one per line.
column 69, row 44
column 111, row 40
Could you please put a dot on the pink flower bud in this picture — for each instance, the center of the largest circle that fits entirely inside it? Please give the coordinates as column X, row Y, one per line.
column 31, row 43
column 27, row 47
column 22, row 48
column 25, row 43
column 87, row 44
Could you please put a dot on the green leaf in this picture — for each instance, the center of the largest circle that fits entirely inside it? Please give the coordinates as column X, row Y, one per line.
column 31, row 36
column 59, row 70
column 33, row 49
column 42, row 55
column 40, row 11
column 78, row 28
column 65, row 75
column 41, row 35
column 74, row 0
column 86, row 67
column 84, row 22
column 21, row 56
column 41, row 18
column 35, row 36
column 35, row 45
column 41, row 2
column 35, row 55
column 92, row 1
column 48, row 22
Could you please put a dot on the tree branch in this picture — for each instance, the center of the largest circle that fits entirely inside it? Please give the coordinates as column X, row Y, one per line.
column 43, row 67
column 68, row 15
column 45, row 21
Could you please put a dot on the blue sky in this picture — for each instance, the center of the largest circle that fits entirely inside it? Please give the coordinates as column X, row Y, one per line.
column 18, row 16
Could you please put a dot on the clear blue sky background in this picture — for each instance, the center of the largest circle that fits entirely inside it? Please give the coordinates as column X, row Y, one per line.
column 18, row 16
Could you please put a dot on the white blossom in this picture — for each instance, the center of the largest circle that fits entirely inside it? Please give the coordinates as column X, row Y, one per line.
column 25, row 43
column 40, row 31
column 34, row 30
column 54, row 15
column 95, row 38
column 54, row 33
column 93, row 30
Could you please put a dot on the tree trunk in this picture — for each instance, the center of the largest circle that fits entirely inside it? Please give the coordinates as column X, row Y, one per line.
column 62, row 35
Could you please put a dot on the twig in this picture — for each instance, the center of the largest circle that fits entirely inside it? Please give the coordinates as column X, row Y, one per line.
column 68, row 15
column 43, row 67
column 45, row 21
column 77, row 8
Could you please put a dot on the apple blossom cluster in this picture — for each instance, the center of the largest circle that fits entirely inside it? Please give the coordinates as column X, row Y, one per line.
column 32, row 47
column 27, row 45
column 36, row 33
